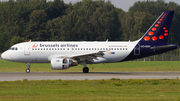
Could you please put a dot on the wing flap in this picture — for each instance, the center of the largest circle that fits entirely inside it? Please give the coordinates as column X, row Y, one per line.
column 81, row 57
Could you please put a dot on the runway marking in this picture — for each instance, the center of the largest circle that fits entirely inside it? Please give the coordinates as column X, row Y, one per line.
column 12, row 76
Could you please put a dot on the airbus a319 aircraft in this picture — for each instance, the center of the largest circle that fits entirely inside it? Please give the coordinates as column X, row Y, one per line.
column 64, row 54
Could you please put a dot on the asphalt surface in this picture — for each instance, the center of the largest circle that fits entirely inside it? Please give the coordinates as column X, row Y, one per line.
column 12, row 76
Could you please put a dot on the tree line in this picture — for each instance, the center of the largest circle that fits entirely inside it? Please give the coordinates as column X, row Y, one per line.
column 86, row 20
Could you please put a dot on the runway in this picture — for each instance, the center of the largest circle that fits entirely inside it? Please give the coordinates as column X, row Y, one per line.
column 13, row 76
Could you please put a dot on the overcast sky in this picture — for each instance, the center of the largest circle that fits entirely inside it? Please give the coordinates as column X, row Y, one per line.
column 123, row 4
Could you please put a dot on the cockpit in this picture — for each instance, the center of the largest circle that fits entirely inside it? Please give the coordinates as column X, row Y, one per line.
column 13, row 48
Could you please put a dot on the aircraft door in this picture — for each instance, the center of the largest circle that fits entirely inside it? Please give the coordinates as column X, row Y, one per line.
column 137, row 50
column 27, row 49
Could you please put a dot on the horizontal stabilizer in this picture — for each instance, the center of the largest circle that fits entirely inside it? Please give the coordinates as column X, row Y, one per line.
column 163, row 47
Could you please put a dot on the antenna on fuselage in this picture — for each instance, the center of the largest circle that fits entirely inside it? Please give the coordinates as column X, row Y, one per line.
column 107, row 40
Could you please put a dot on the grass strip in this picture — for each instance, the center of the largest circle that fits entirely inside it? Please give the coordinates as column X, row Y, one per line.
column 88, row 90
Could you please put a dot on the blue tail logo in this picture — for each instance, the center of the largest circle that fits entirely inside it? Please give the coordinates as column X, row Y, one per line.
column 160, row 29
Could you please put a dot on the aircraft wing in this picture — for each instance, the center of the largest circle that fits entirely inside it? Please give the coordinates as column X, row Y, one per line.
column 87, row 56
column 162, row 47
column 80, row 57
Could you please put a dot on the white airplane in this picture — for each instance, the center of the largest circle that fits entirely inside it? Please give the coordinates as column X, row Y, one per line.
column 63, row 54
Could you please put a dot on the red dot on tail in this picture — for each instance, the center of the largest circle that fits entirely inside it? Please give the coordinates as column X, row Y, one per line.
column 164, row 27
column 166, row 34
column 161, row 37
column 150, row 33
column 156, row 25
column 166, row 31
column 146, row 38
column 159, row 22
column 153, row 29
column 154, row 38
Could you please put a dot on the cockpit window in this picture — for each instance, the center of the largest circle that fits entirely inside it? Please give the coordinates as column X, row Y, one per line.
column 13, row 48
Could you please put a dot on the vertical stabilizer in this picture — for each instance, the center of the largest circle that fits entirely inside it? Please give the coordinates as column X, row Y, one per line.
column 160, row 29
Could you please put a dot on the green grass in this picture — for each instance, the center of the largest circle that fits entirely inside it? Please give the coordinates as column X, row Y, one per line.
column 132, row 66
column 92, row 90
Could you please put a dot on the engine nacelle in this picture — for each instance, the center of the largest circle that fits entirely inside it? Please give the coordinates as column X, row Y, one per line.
column 61, row 63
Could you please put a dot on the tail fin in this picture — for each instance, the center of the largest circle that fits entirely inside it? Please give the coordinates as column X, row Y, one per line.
column 160, row 29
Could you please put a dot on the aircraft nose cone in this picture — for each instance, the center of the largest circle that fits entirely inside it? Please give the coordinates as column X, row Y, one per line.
column 4, row 56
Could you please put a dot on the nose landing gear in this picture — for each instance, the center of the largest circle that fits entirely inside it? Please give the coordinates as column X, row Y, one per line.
column 28, row 68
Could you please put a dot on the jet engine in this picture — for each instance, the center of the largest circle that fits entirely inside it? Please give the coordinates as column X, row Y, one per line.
column 62, row 63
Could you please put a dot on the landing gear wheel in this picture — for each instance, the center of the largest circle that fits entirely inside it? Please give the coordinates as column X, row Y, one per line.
column 27, row 70
column 85, row 70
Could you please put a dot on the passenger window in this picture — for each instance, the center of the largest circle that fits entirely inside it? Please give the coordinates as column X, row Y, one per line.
column 117, row 48
column 67, row 48
column 32, row 48
column 46, row 48
column 63, row 48
column 52, row 48
column 86, row 48
column 89, row 48
column 49, row 48
column 114, row 48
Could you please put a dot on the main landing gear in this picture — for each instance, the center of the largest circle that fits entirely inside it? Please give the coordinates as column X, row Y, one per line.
column 28, row 68
column 85, row 70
